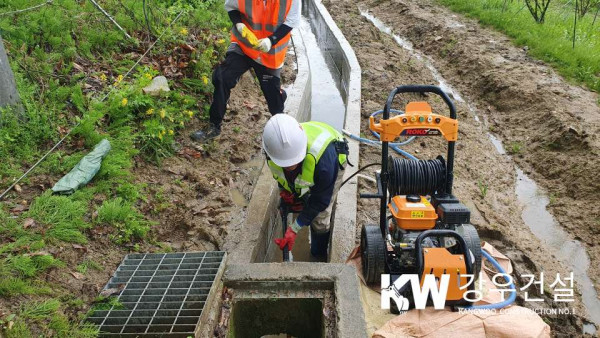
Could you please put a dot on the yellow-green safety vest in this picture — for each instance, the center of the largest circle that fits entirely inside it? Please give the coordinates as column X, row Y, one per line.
column 319, row 136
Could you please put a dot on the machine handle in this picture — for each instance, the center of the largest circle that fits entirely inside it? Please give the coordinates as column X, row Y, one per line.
column 418, row 89
column 284, row 210
column 442, row 233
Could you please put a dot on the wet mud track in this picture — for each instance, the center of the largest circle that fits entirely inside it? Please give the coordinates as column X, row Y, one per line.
column 552, row 123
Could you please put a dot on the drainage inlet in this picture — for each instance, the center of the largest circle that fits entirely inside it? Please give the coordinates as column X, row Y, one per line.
column 162, row 294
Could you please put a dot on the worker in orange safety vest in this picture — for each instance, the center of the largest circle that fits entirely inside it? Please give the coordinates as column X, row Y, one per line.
column 259, row 39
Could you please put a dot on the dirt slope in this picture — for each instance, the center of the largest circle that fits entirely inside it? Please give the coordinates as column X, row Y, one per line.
column 193, row 197
column 496, row 213
column 525, row 102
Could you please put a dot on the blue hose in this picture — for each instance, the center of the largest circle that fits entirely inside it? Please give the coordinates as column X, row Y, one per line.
column 394, row 146
column 504, row 303
column 378, row 143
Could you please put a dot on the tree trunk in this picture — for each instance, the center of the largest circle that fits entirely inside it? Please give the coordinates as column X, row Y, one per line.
column 8, row 87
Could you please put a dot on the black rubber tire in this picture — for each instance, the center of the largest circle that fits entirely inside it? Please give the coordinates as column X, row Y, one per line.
column 471, row 237
column 373, row 253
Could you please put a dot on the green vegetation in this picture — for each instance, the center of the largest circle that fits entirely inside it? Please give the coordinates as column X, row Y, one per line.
column 515, row 148
column 483, row 188
column 123, row 216
column 71, row 64
column 552, row 40
column 88, row 264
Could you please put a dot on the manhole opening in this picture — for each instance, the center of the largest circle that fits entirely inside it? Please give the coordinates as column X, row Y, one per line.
column 296, row 317
column 162, row 294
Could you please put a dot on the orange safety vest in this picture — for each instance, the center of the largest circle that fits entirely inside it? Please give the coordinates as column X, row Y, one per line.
column 263, row 18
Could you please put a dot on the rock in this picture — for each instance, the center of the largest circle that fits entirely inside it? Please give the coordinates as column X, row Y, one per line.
column 159, row 84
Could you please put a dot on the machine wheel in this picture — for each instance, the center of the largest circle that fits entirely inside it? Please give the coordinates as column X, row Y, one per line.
column 469, row 233
column 373, row 253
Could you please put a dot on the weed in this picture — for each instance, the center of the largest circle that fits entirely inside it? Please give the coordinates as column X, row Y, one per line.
column 19, row 330
column 483, row 188
column 62, row 215
column 11, row 286
column 63, row 328
column 515, row 148
column 552, row 198
column 448, row 47
column 87, row 264
column 106, row 303
column 128, row 221
column 236, row 129
column 211, row 147
column 39, row 310
column 28, row 266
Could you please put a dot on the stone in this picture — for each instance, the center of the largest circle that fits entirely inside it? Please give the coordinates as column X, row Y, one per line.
column 159, row 84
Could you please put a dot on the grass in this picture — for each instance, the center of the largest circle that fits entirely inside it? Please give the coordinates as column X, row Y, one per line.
column 550, row 41
column 120, row 214
column 65, row 57
column 88, row 264
column 515, row 148
column 483, row 188
column 62, row 216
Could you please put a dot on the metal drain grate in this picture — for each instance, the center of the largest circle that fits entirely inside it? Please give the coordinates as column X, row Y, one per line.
column 163, row 294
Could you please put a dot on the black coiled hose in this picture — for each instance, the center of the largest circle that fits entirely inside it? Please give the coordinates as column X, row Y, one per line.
column 421, row 177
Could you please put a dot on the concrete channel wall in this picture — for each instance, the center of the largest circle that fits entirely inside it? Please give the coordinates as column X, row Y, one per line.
column 253, row 243
column 342, row 61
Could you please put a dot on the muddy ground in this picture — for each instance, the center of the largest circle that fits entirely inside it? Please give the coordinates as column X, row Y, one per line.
column 516, row 97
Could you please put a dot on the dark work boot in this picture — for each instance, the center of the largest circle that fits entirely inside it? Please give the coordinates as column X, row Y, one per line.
column 206, row 135
column 319, row 244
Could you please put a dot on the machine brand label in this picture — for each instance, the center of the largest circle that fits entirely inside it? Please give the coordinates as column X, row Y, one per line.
column 420, row 132
column 417, row 214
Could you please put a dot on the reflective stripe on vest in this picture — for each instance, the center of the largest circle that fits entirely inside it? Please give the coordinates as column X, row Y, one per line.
column 319, row 135
column 263, row 19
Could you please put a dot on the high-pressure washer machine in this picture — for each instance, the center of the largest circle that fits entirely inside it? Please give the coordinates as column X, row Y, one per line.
column 423, row 228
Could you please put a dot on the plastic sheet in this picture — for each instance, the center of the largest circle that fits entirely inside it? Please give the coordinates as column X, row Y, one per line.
column 84, row 171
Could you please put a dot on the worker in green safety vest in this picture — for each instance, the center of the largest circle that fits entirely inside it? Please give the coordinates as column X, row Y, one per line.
column 307, row 160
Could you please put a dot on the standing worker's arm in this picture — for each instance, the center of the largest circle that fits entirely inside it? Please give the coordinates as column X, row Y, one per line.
column 232, row 8
column 292, row 20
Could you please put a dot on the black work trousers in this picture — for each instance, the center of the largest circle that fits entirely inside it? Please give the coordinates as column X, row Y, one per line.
column 228, row 73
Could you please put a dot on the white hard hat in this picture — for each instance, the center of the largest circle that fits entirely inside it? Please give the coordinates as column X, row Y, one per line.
column 284, row 140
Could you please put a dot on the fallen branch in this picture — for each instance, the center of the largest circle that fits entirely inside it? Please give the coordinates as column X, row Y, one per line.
column 110, row 18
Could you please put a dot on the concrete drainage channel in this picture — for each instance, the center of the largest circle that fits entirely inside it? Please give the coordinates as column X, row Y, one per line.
column 299, row 299
column 303, row 299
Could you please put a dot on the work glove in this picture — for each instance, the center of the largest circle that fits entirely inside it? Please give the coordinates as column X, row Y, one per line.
column 290, row 200
column 247, row 34
column 289, row 238
column 264, row 45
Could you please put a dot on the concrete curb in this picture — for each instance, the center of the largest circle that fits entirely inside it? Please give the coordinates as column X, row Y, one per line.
column 251, row 243
column 341, row 56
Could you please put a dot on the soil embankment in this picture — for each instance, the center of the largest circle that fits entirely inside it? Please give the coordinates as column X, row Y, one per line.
column 549, row 126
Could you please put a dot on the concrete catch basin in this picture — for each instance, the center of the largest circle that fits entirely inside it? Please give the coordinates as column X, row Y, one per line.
column 295, row 299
